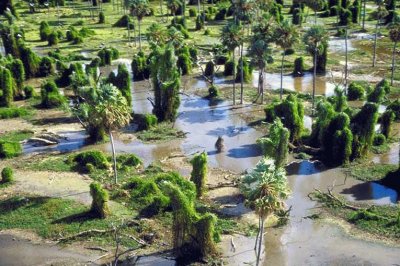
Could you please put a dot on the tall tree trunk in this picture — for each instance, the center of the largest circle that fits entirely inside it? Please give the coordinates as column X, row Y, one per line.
column 363, row 14
column 375, row 41
column 346, row 68
column 315, row 17
column 393, row 62
column 283, row 58
column 260, row 242
column 234, row 78
column 140, row 36
column 198, row 7
column 241, row 74
column 114, row 157
column 262, row 86
column 258, row 232
column 314, row 79
column 183, row 12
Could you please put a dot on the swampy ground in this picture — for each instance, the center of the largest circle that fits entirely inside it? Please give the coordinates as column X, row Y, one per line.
column 48, row 198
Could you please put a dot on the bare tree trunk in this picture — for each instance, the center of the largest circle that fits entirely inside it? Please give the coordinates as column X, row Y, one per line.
column 198, row 7
column 183, row 12
column 114, row 157
column 260, row 242
column 283, row 58
column 314, row 79
column 140, row 36
column 315, row 17
column 241, row 74
column 346, row 68
column 262, row 86
column 258, row 232
column 375, row 41
column 393, row 63
column 363, row 15
column 234, row 78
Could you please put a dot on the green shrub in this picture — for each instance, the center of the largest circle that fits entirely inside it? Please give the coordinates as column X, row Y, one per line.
column 123, row 22
column 355, row 91
column 10, row 149
column 380, row 91
column 53, row 38
column 100, row 200
column 199, row 22
column 247, row 71
column 126, row 161
column 140, row 67
column 213, row 92
column 7, row 175
column 379, row 139
column 221, row 15
column 78, row 40
column 44, row 30
column 297, row 18
column 12, row 112
column 298, row 67
column 395, row 107
column 51, row 96
column 184, row 64
column 87, row 159
column 29, row 92
column 145, row 121
column 209, row 71
column 6, row 88
column 229, row 67
column 192, row 13
column 199, row 173
column 207, row 32
column 46, row 67
column 71, row 34
column 102, row 18
column 386, row 122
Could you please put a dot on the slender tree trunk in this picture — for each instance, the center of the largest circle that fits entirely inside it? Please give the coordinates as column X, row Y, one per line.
column 198, row 7
column 114, row 157
column 314, row 79
column 183, row 12
column 363, row 14
column 375, row 41
column 234, row 78
column 260, row 242
column 258, row 232
column 58, row 13
column 346, row 68
column 283, row 58
column 393, row 62
column 140, row 36
column 128, row 26
column 262, row 86
column 315, row 17
column 241, row 74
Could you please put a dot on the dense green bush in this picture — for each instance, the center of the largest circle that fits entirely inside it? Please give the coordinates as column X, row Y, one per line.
column 53, row 38
column 380, row 91
column 12, row 112
column 46, row 67
column 298, row 67
column 209, row 71
column 6, row 88
column 355, row 91
column 199, row 173
column 29, row 92
column 140, row 67
column 44, row 30
column 395, row 107
column 345, row 17
column 192, row 12
column 386, row 121
column 106, row 55
column 123, row 22
column 18, row 72
column 123, row 82
column 10, row 149
column 51, row 96
column 88, row 160
column 379, row 139
column 102, row 18
column 213, row 92
column 199, row 22
column 127, row 161
column 229, row 67
column 100, row 200
column 184, row 64
column 221, row 14
column 247, row 71
column 7, row 175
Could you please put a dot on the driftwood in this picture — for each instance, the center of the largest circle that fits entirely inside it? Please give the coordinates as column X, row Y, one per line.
column 221, row 185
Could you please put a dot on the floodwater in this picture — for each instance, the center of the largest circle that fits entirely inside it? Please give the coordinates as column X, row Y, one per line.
column 18, row 252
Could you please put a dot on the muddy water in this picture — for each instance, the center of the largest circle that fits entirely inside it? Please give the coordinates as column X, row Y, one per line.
column 18, row 252
column 304, row 84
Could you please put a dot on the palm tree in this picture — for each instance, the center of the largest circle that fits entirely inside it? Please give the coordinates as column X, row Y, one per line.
column 105, row 109
column 232, row 37
column 286, row 36
column 139, row 8
column 315, row 5
column 380, row 13
column 394, row 34
column 315, row 39
column 156, row 34
column 174, row 5
column 265, row 189
column 260, row 54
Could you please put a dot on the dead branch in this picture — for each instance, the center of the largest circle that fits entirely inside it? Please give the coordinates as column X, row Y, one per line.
column 84, row 233
column 97, row 248
column 336, row 199
column 221, row 185
column 140, row 241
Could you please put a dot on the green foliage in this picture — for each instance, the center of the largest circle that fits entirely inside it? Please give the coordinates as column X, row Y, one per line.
column 355, row 91
column 199, row 22
column 16, row 136
column 229, row 67
column 100, row 201
column 13, row 112
column 339, row 100
column 291, row 112
column 102, row 18
column 123, row 82
column 209, row 71
column 325, row 112
column 160, row 132
column 192, row 233
column 7, row 175
column 127, row 161
column 299, row 67
column 30, row 60
column 84, row 161
column 345, row 17
column 275, row 146
column 107, row 55
column 51, row 96
column 166, row 83
column 247, row 71
column 10, row 149
column 140, row 67
column 199, row 173
column 213, row 92
column 386, row 122
column 297, row 18
column 52, row 38
column 192, row 13
column 371, row 172
column 6, row 88
column 265, row 188
column 184, row 64
column 363, row 128
column 46, row 67
column 395, row 107
column 379, row 139
column 380, row 91
column 123, row 22
column 18, row 72
column 316, row 41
